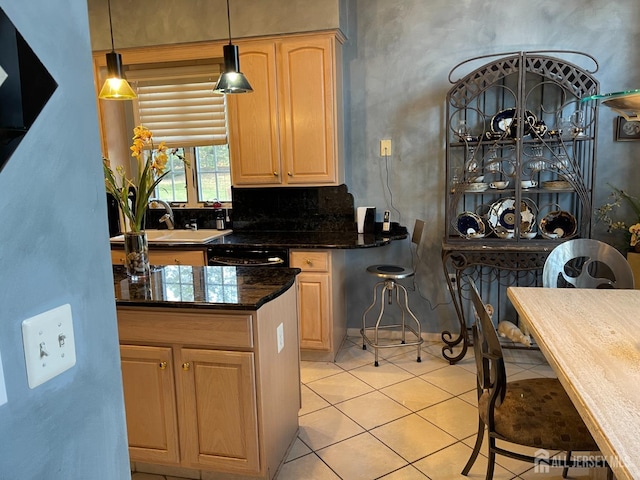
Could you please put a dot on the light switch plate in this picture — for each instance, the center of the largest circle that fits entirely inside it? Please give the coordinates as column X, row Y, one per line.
column 3, row 388
column 49, row 344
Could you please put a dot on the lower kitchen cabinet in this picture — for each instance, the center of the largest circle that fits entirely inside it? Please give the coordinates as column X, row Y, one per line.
column 167, row 257
column 217, row 388
column 149, row 396
column 212, row 390
column 212, row 387
column 320, row 301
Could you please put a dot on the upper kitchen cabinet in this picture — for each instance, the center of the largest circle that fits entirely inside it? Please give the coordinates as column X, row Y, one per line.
column 289, row 130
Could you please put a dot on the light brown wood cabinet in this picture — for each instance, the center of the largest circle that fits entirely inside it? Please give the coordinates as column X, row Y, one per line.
column 167, row 257
column 288, row 131
column 320, row 301
column 209, row 389
column 149, row 394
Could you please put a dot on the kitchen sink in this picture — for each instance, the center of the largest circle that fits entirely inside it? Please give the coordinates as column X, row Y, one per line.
column 179, row 236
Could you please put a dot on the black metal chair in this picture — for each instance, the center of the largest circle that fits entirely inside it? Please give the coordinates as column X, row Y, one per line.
column 586, row 263
column 534, row 412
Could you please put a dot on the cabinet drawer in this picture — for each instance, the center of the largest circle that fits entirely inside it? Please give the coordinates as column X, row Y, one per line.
column 117, row 257
column 159, row 325
column 166, row 257
column 177, row 257
column 310, row 260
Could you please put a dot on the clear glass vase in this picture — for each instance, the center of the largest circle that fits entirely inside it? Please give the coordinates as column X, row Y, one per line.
column 136, row 250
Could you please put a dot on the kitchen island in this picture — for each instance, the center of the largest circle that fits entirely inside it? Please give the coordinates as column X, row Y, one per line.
column 211, row 369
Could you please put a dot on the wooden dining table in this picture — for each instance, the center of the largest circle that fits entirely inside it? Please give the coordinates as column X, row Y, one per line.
column 591, row 339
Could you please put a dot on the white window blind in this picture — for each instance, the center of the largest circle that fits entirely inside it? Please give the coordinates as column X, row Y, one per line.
column 178, row 105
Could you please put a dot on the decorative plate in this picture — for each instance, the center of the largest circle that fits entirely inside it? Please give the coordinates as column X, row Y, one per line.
column 505, row 121
column 502, row 216
column 476, row 187
column 558, row 224
column 556, row 185
column 470, row 225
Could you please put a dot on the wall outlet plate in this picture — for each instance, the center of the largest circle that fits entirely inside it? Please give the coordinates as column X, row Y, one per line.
column 280, row 335
column 385, row 148
column 49, row 344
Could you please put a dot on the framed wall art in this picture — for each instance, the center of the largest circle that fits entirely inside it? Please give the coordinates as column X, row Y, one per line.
column 626, row 130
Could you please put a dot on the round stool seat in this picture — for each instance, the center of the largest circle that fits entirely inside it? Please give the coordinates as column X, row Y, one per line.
column 393, row 272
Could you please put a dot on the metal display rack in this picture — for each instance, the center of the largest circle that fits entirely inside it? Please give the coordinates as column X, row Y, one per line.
column 520, row 162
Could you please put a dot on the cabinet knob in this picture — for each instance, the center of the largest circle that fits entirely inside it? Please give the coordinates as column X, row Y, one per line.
column 186, row 366
column 290, row 174
column 176, row 261
column 275, row 174
column 309, row 262
column 162, row 365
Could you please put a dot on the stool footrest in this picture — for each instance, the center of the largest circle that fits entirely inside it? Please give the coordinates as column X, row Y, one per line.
column 390, row 288
column 391, row 342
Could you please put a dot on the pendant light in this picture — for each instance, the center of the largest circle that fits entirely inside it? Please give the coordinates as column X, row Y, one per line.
column 232, row 80
column 115, row 86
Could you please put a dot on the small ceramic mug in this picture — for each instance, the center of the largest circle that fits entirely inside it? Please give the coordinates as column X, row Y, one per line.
column 528, row 183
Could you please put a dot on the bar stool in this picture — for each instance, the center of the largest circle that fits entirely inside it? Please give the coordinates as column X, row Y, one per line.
column 390, row 274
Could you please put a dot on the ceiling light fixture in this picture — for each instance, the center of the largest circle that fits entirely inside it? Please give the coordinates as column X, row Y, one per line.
column 115, row 86
column 232, row 80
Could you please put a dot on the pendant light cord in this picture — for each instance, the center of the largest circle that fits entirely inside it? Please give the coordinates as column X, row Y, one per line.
column 229, row 21
column 113, row 48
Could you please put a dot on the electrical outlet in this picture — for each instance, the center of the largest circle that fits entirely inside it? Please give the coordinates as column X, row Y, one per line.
column 49, row 345
column 280, row 335
column 385, row 148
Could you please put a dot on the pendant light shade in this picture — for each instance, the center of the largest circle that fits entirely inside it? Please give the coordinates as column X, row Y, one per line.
column 115, row 86
column 232, row 80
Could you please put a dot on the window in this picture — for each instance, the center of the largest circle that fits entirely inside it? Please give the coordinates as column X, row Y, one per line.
column 177, row 103
column 205, row 177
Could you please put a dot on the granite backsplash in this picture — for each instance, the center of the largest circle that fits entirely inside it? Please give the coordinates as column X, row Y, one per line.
column 277, row 209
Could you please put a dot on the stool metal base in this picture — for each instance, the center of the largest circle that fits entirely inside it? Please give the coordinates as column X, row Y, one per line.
column 389, row 285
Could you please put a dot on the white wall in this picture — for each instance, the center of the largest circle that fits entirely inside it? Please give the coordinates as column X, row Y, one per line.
column 54, row 249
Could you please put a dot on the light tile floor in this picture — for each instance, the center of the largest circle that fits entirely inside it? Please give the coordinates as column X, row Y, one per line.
column 400, row 421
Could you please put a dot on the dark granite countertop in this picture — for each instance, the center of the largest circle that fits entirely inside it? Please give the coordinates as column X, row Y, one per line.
column 341, row 240
column 265, row 239
column 224, row 288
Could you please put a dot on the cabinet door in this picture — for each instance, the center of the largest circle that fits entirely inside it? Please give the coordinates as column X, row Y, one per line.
column 254, row 138
column 315, row 322
column 307, row 93
column 149, row 398
column 217, row 410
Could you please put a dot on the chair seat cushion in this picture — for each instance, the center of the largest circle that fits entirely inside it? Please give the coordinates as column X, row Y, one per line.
column 538, row 412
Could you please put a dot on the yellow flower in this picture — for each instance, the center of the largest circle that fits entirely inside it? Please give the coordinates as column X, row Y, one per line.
column 149, row 174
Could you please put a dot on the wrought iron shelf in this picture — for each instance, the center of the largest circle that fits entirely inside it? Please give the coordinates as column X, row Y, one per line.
column 524, row 116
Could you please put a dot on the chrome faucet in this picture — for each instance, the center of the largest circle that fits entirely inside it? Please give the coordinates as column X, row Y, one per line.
column 167, row 218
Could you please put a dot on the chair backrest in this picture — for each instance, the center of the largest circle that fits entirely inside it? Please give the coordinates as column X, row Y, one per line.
column 418, row 229
column 492, row 376
column 586, row 263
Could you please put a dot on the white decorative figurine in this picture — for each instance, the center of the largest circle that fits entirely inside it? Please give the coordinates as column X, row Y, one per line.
column 510, row 331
